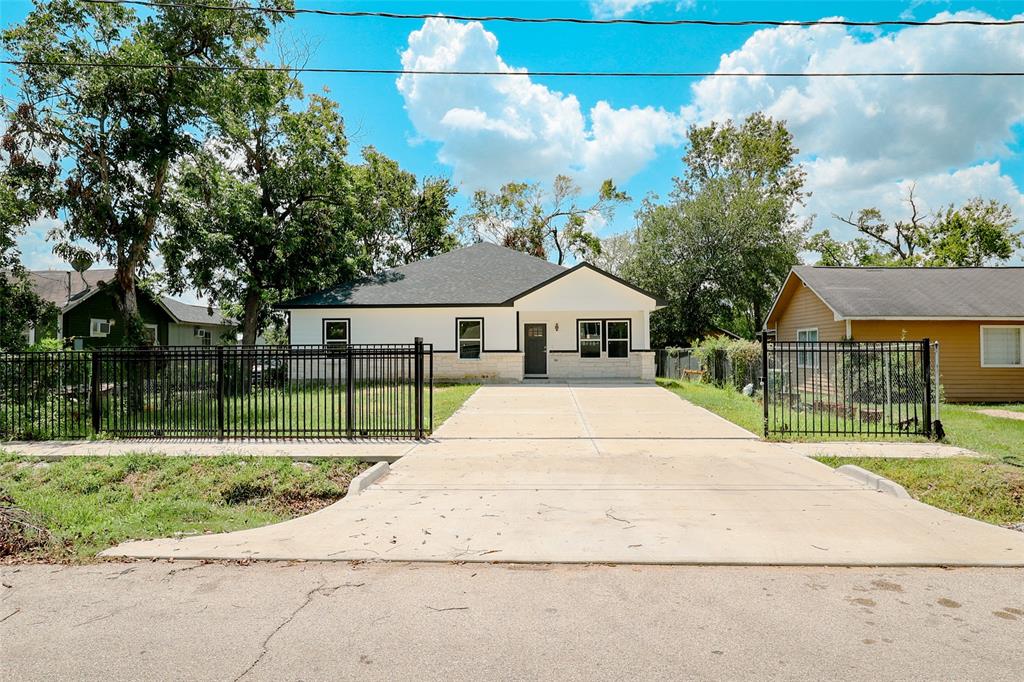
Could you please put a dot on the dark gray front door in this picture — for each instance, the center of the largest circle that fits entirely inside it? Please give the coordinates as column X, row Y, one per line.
column 536, row 348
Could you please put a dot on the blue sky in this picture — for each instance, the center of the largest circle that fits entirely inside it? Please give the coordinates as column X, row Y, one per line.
column 861, row 141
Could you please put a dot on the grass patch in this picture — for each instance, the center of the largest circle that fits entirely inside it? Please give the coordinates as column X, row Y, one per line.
column 90, row 503
column 981, row 489
column 995, row 437
column 448, row 398
column 725, row 402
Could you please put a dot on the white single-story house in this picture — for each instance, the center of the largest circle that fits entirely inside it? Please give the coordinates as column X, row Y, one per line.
column 491, row 313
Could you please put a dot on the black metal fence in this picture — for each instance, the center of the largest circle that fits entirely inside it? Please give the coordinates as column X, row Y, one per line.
column 873, row 388
column 354, row 390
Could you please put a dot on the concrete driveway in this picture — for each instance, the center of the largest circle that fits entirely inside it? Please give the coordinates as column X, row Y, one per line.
column 610, row 474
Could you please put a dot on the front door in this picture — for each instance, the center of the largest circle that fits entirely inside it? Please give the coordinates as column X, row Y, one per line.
column 536, row 348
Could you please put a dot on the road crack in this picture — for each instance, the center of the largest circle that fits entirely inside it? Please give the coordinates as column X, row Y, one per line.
column 265, row 647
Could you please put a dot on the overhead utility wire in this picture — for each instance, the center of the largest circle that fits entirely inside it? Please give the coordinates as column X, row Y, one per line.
column 582, row 74
column 563, row 20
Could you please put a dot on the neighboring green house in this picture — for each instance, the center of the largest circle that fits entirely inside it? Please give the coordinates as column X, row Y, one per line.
column 88, row 316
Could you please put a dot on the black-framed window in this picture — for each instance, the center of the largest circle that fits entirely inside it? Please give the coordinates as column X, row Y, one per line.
column 618, row 338
column 471, row 337
column 590, row 338
column 336, row 333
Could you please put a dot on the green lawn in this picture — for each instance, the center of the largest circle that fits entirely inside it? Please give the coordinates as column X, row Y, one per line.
column 997, row 437
column 981, row 489
column 299, row 410
column 90, row 503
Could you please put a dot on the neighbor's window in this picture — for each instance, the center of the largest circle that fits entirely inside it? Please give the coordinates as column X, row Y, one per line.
column 1002, row 346
column 590, row 339
column 471, row 335
column 336, row 333
column 618, row 339
column 204, row 335
column 152, row 333
column 807, row 358
column 99, row 327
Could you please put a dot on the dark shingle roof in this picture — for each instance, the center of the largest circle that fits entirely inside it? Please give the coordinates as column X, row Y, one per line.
column 919, row 292
column 64, row 287
column 61, row 286
column 195, row 314
column 481, row 274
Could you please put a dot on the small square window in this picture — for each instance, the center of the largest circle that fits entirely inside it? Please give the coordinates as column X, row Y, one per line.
column 471, row 334
column 336, row 333
column 590, row 339
column 152, row 333
column 1002, row 346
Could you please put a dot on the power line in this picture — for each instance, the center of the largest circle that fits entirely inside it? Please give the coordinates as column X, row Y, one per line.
column 579, row 74
column 563, row 20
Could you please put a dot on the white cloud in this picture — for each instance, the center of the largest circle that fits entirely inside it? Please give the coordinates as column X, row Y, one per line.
column 500, row 128
column 932, row 192
column 615, row 9
column 865, row 139
column 900, row 126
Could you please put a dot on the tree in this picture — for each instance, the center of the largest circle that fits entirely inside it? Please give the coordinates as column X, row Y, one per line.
column 269, row 207
column 721, row 247
column 258, row 212
column 615, row 252
column 978, row 233
column 527, row 218
column 22, row 177
column 403, row 219
column 20, row 307
column 116, row 131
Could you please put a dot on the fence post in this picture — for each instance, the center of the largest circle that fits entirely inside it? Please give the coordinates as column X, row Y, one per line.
column 220, row 392
column 94, row 392
column 418, row 373
column 350, row 402
column 764, row 378
column 926, row 348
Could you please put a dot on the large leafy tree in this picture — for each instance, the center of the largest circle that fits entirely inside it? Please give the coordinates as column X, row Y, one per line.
column 402, row 219
column 977, row 233
column 722, row 245
column 115, row 130
column 269, row 207
column 540, row 222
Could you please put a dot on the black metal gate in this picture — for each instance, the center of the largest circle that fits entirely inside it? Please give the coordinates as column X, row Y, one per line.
column 379, row 390
column 847, row 388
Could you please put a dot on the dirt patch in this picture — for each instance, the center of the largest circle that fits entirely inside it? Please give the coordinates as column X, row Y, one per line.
column 948, row 603
column 1003, row 414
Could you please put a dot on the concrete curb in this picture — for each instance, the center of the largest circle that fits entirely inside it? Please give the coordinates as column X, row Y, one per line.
column 368, row 478
column 874, row 481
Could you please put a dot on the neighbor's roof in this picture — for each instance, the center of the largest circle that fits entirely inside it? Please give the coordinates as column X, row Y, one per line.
column 939, row 293
column 195, row 314
column 61, row 286
column 481, row 274
column 64, row 288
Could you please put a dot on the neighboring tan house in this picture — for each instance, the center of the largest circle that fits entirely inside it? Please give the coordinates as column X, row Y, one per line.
column 491, row 313
column 976, row 315
column 87, row 315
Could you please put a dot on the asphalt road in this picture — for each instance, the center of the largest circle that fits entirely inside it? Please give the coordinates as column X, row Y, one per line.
column 158, row 620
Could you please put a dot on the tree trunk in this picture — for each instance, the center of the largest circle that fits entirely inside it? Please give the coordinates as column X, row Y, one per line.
column 250, row 316
column 127, row 300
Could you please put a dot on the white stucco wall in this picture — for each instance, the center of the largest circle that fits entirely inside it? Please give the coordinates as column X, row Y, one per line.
column 402, row 325
column 581, row 295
